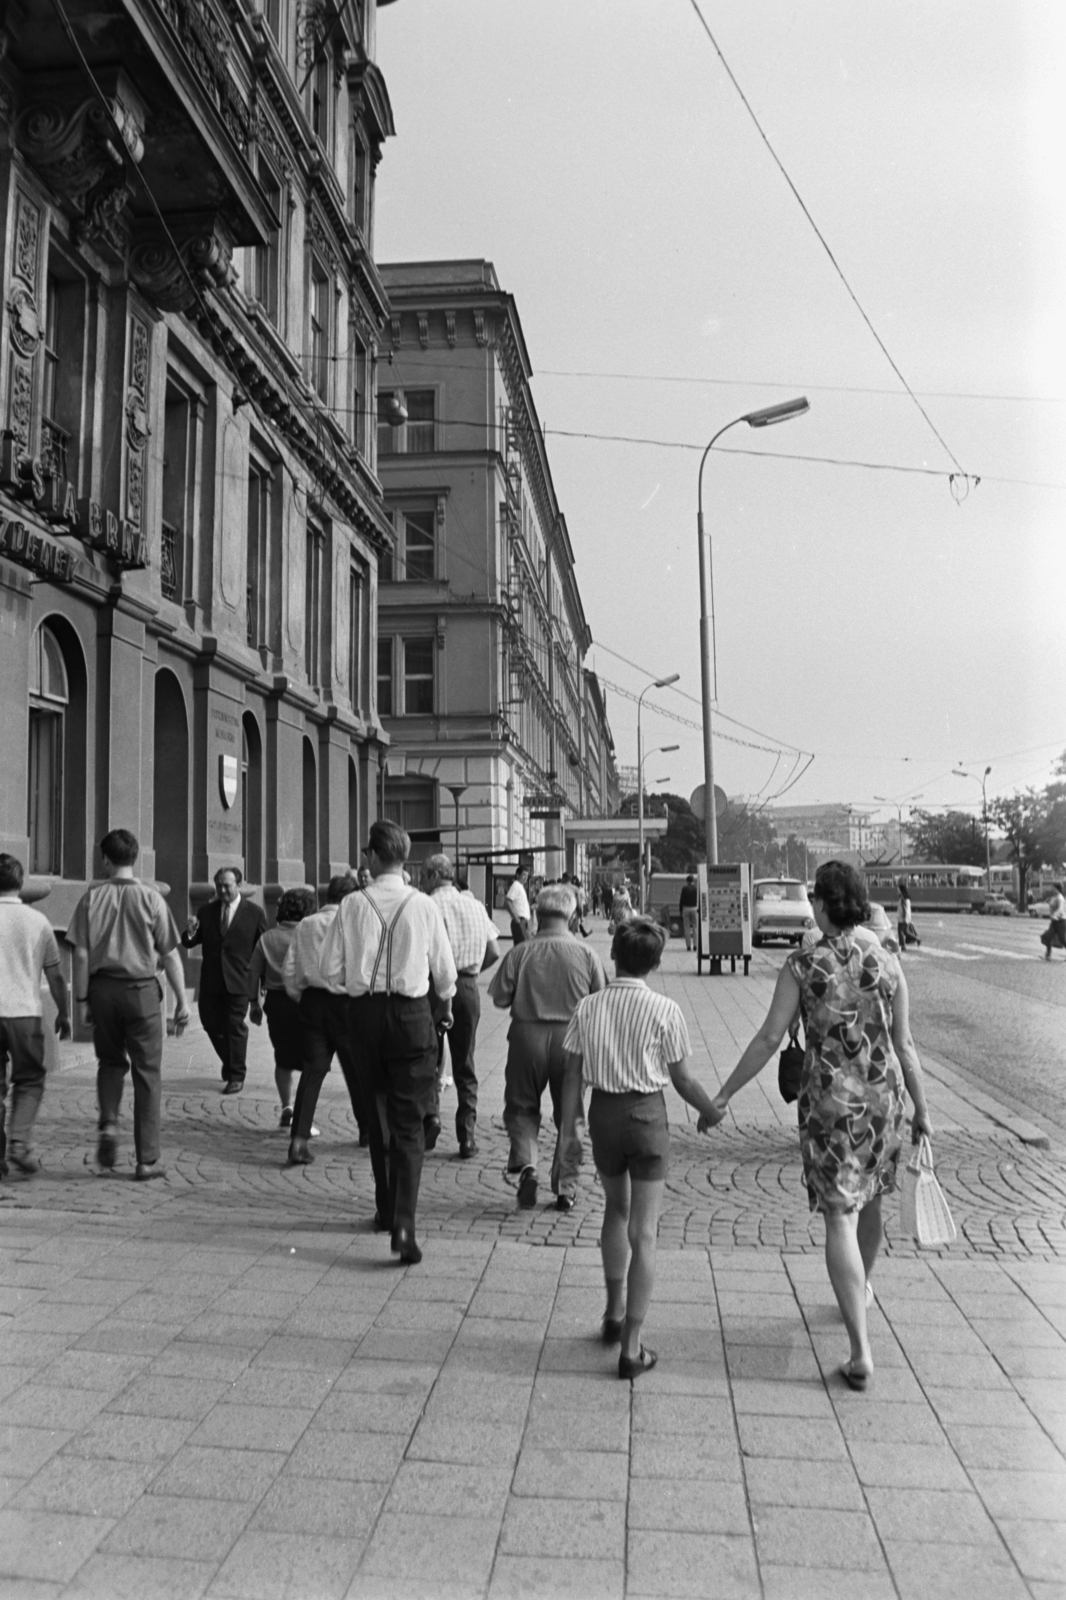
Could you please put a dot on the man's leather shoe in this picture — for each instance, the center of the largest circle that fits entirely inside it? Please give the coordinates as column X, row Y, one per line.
column 381, row 1224
column 107, row 1148
column 431, row 1129
column 404, row 1246
column 233, row 1086
column 467, row 1148
column 147, row 1170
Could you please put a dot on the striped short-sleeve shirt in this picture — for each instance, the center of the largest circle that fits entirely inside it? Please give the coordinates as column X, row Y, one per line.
column 626, row 1037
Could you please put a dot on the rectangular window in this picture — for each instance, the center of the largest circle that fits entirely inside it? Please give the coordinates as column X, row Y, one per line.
column 266, row 259
column 356, row 590
column 46, row 790
column 319, row 90
column 360, row 427
column 61, row 367
column 420, row 429
column 273, row 11
column 51, row 348
column 178, row 483
column 360, row 167
column 419, row 552
column 258, row 554
column 418, row 676
column 313, row 602
column 321, row 312
column 384, row 677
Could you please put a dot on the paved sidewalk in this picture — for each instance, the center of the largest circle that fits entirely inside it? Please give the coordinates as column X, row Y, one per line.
column 223, row 1385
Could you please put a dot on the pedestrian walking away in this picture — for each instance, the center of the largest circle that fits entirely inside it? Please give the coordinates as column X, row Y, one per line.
column 542, row 981
column 688, row 905
column 28, row 951
column 227, row 931
column 1054, row 935
column 266, row 993
column 383, row 948
column 859, row 1055
column 516, row 901
column 905, row 928
column 473, row 939
column 324, row 1022
column 123, row 932
column 625, row 1044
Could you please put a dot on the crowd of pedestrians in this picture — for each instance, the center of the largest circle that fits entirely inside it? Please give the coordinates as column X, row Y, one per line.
column 384, row 972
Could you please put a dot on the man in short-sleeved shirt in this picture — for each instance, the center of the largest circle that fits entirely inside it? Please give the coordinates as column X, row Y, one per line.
column 28, row 950
column 542, row 980
column 472, row 936
column 122, row 932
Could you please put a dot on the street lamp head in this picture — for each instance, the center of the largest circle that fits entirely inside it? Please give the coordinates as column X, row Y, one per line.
column 987, row 771
column 768, row 415
column 955, row 773
column 664, row 748
column 661, row 683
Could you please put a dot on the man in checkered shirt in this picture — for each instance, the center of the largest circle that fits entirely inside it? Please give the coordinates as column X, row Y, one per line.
column 472, row 936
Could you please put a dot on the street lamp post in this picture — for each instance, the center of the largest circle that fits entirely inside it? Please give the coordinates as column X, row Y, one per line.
column 456, row 790
column 880, row 798
column 764, row 418
column 958, row 773
column 659, row 683
column 660, row 750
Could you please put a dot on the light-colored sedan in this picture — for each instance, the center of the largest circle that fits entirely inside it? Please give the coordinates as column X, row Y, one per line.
column 997, row 905
column 780, row 910
column 1040, row 908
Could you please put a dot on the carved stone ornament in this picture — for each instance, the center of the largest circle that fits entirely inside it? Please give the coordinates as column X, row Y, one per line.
column 136, row 421
column 449, row 328
column 170, row 279
column 24, row 321
column 21, row 391
column 423, row 330
column 103, row 223
column 479, row 327
column 322, row 240
column 27, row 235
column 397, row 332
column 75, row 147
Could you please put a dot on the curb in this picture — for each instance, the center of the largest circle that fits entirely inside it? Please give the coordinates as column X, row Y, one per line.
column 1027, row 1132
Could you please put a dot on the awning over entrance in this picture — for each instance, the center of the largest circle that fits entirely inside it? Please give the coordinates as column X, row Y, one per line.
column 613, row 830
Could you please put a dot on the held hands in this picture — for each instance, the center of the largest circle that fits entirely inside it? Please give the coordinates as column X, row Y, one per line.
column 711, row 1119
column 444, row 1022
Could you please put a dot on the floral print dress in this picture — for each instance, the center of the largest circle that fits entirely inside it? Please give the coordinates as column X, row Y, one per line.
column 851, row 1104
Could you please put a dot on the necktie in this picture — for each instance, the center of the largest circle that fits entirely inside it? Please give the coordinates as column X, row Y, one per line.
column 227, row 916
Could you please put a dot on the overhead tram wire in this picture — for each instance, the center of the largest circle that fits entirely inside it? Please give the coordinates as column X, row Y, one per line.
column 838, row 269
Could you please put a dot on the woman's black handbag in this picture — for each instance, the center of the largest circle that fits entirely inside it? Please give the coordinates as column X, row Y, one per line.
column 790, row 1069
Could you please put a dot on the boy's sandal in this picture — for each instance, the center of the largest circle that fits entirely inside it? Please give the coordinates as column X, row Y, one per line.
column 635, row 1366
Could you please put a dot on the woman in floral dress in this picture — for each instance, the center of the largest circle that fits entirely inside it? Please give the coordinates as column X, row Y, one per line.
column 859, row 1055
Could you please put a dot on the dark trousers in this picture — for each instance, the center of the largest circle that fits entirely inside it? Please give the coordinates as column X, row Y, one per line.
column 394, row 1054
column 128, row 1037
column 462, row 1036
column 21, row 1044
column 519, row 929
column 225, row 1021
column 324, row 1025
column 1053, row 937
column 285, row 1027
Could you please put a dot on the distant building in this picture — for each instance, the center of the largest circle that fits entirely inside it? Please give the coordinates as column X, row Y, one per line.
column 834, row 825
column 482, row 635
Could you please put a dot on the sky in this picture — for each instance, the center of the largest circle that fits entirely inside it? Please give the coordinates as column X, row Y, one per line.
column 886, row 622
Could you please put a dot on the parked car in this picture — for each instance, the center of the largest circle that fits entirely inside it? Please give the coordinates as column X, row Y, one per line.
column 780, row 910
column 1040, row 908
column 996, row 905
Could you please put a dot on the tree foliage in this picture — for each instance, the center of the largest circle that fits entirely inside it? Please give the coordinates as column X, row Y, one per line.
column 1034, row 825
column 949, row 836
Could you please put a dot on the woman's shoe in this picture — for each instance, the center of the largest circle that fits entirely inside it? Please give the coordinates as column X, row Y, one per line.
column 854, row 1380
column 611, row 1330
column 285, row 1120
column 635, row 1366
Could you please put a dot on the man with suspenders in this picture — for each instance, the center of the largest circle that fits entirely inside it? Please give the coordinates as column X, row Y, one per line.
column 382, row 949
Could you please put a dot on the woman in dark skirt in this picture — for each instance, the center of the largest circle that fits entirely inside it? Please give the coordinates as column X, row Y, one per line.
column 283, row 1015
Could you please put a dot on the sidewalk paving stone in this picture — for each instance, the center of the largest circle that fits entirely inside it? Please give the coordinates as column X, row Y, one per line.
column 225, row 1385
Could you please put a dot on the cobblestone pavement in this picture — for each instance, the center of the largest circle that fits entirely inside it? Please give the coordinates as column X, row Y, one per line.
column 223, row 1385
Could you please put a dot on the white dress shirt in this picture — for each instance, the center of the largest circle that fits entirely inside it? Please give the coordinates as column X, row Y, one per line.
column 517, row 901
column 303, row 959
column 388, row 940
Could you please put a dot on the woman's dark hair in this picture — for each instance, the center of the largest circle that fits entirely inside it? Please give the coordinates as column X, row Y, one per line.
column 842, row 892
column 296, row 904
column 637, row 946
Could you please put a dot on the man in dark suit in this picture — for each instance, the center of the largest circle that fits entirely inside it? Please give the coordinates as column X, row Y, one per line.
column 227, row 932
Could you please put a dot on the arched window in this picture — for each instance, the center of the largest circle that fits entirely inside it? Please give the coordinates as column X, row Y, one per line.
column 252, row 798
column 49, row 699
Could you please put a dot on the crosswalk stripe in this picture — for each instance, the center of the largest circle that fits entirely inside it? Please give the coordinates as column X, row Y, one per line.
column 995, row 950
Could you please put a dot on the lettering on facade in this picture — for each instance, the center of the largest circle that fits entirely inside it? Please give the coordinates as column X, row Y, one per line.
column 25, row 545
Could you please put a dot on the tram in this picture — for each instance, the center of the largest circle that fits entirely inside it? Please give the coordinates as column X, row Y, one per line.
column 933, row 886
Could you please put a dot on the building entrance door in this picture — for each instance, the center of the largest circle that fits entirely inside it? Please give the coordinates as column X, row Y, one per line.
column 171, row 792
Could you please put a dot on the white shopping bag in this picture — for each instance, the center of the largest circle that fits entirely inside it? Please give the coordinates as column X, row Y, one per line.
column 924, row 1212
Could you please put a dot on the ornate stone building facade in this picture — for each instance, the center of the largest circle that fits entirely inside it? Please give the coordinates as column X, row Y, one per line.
column 496, row 724
column 190, row 517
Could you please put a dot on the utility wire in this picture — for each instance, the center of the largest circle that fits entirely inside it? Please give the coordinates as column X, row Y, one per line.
column 820, row 235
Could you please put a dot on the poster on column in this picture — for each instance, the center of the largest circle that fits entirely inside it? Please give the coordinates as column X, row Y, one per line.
column 725, row 912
